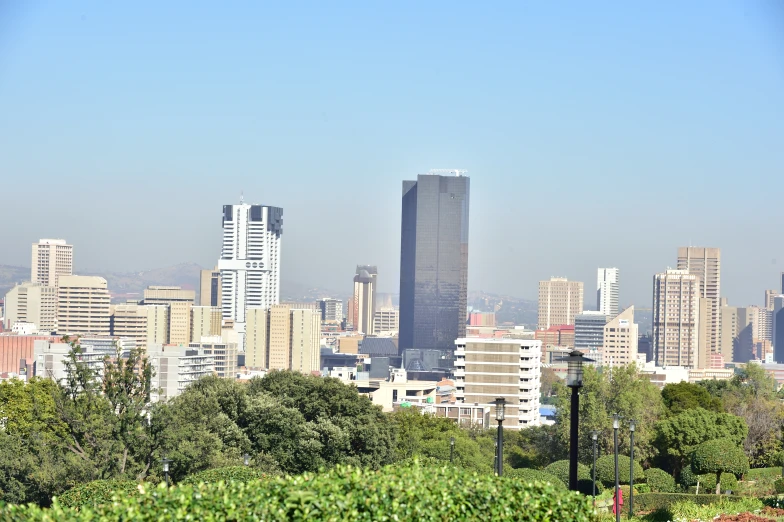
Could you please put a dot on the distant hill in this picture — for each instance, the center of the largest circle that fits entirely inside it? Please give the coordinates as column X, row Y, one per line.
column 130, row 284
column 507, row 308
column 10, row 276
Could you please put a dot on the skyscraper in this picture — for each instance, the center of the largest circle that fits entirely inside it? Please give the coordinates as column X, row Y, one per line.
column 705, row 263
column 82, row 305
column 363, row 302
column 210, row 287
column 32, row 303
column 778, row 328
column 51, row 259
column 434, row 261
column 607, row 291
column 676, row 318
column 559, row 301
column 620, row 339
column 589, row 330
column 250, row 261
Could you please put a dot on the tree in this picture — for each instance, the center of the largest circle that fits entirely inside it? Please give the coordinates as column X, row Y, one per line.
column 719, row 456
column 686, row 396
column 548, row 380
column 533, row 447
column 560, row 469
column 605, row 470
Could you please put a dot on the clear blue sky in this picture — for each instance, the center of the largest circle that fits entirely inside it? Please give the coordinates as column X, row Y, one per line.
column 595, row 134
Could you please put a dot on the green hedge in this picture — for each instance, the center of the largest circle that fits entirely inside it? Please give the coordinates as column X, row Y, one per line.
column 605, row 470
column 97, row 492
column 227, row 474
column 533, row 475
column 416, row 493
column 661, row 501
column 659, row 481
column 761, row 473
column 560, row 469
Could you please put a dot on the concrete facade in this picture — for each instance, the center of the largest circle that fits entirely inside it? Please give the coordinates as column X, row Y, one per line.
column 705, row 263
column 51, row 259
column 620, row 340
column 676, row 318
column 559, row 301
column 83, row 305
column 32, row 303
column 607, row 286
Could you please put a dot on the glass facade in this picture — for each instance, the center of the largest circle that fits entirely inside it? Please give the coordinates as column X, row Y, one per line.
column 433, row 262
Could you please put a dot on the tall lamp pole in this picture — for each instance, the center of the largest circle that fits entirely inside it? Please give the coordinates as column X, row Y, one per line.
column 631, row 468
column 574, row 380
column 500, row 406
column 452, row 450
column 165, row 462
column 616, row 425
column 594, row 438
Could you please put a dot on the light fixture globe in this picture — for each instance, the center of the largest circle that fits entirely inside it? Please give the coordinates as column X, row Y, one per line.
column 500, row 409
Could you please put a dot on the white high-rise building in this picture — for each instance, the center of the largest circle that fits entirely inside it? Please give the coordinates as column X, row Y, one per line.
column 51, row 259
column 676, row 319
column 607, row 291
column 250, row 261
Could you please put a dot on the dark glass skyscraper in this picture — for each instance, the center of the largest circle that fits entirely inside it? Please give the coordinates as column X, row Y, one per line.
column 434, row 262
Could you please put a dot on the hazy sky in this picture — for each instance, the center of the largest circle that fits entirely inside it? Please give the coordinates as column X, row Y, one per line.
column 594, row 133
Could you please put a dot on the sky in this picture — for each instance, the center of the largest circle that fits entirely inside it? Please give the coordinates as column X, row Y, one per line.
column 595, row 133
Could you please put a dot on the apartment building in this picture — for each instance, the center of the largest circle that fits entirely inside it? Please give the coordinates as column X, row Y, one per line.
column 676, row 319
column 83, row 305
column 32, row 303
column 51, row 259
column 620, row 340
column 559, row 301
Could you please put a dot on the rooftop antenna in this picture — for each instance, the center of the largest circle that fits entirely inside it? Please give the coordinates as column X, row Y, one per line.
column 242, row 197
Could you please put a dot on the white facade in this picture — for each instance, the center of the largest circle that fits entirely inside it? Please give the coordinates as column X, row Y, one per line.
column 486, row 369
column 174, row 368
column 32, row 303
column 49, row 359
column 250, row 261
column 607, row 291
column 51, row 259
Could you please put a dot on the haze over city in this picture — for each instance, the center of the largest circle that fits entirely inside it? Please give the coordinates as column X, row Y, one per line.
column 599, row 135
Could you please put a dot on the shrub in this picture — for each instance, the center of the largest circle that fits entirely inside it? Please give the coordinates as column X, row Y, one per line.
column 642, row 488
column 718, row 457
column 533, row 475
column 659, row 481
column 779, row 485
column 663, row 501
column 762, row 473
column 605, row 470
column 687, row 510
column 560, row 469
column 585, row 486
column 227, row 474
column 343, row 493
column 97, row 492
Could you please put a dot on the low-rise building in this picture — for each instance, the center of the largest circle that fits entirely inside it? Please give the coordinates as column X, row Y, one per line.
column 175, row 368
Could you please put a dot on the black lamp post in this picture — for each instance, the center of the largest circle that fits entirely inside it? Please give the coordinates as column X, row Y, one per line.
column 595, row 439
column 246, row 459
column 451, row 450
column 495, row 458
column 500, row 406
column 574, row 380
column 631, row 468
column 616, row 425
column 165, row 462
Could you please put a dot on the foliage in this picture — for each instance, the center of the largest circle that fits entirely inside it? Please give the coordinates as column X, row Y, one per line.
column 659, row 481
column 707, row 481
column 689, row 510
column 778, row 484
column 663, row 501
column 719, row 456
column 535, row 475
column 684, row 396
column 605, row 470
column 560, row 469
column 533, row 447
column 342, row 493
column 585, row 486
column 97, row 492
column 226, row 474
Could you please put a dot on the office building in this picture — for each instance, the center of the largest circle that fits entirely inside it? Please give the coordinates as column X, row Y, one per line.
column 676, row 318
column 778, row 329
column 739, row 327
column 250, row 261
column 434, row 261
column 561, row 335
column 223, row 354
column 481, row 319
column 49, row 360
column 179, row 303
column 486, row 369
column 620, row 339
column 559, row 301
column 705, row 263
column 363, row 301
column 175, row 368
column 82, row 305
column 305, row 340
column 210, row 288
column 283, row 337
column 51, row 259
column 32, row 303
column 257, row 337
column 607, row 291
column 589, row 330
column 206, row 321
column 16, row 351
column 331, row 309
column 386, row 321
column 129, row 320
column 770, row 295
column 761, row 321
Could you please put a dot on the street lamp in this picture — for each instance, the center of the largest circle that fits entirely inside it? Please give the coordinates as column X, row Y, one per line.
column 574, row 380
column 631, row 468
column 616, row 425
column 500, row 407
column 165, row 462
column 451, row 450
column 594, row 438
column 246, row 459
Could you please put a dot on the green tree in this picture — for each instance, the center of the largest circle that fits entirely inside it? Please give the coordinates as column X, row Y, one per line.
column 533, row 447
column 560, row 469
column 719, row 456
column 686, row 396
column 605, row 470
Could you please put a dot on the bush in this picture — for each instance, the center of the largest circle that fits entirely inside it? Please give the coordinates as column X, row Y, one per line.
column 97, row 492
column 720, row 457
column 762, row 473
column 560, row 469
column 687, row 510
column 663, row 501
column 659, row 481
column 227, row 474
column 532, row 475
column 343, row 493
column 605, row 470
column 585, row 486
column 779, row 485
column 642, row 488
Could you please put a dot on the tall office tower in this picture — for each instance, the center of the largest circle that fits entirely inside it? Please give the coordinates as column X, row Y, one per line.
column 778, row 329
column 770, row 295
column 331, row 309
column 129, row 320
column 434, row 261
column 761, row 322
column 559, row 301
column 607, row 291
column 739, row 328
column 305, row 340
column 51, row 259
column 676, row 318
column 82, row 305
column 705, row 263
column 386, row 321
column 180, row 302
column 782, row 283
column 620, row 339
column 210, row 287
column 32, row 303
column 157, row 324
column 589, row 330
column 206, row 321
column 250, row 261
column 510, row 368
column 257, row 337
column 363, row 302
column 284, row 337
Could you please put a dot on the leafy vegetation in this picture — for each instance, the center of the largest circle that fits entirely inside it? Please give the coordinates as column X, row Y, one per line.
column 719, row 456
column 560, row 469
column 605, row 470
column 662, row 501
column 535, row 475
column 97, row 492
column 227, row 474
column 659, row 481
